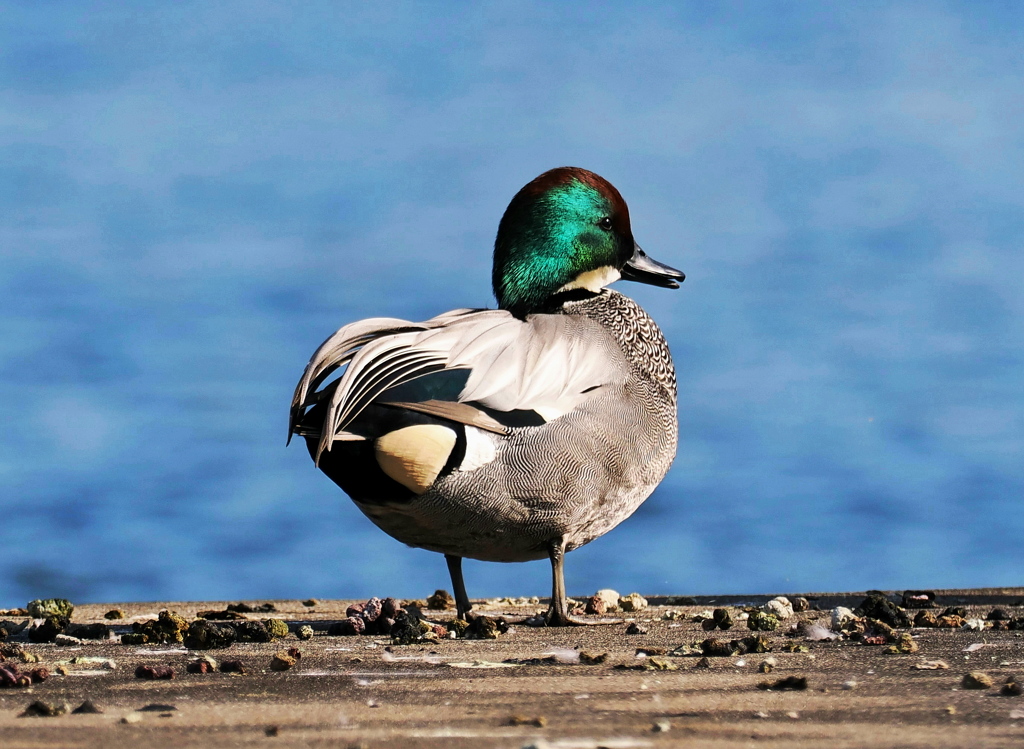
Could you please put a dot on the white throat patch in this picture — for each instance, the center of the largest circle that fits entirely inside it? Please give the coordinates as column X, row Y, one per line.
column 594, row 280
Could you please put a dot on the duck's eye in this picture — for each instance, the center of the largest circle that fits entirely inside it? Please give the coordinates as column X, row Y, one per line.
column 605, row 223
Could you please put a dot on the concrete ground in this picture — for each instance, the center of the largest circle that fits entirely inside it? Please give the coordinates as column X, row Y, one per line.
column 528, row 688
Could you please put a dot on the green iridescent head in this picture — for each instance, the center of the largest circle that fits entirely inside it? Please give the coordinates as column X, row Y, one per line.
column 567, row 229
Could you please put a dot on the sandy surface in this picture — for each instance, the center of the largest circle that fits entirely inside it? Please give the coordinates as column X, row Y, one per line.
column 354, row 691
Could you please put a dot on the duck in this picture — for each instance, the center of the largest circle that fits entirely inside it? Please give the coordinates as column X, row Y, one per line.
column 510, row 434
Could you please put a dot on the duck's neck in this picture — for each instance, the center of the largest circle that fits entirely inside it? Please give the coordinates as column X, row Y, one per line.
column 640, row 337
column 558, row 303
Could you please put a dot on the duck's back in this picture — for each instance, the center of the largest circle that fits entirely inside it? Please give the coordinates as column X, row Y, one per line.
column 577, row 475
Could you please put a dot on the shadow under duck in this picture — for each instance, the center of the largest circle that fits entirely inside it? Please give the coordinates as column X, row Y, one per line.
column 512, row 434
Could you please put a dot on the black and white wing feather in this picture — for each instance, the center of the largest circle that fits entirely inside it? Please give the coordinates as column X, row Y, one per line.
column 546, row 364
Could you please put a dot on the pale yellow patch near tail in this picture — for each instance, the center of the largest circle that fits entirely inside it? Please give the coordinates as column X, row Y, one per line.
column 413, row 456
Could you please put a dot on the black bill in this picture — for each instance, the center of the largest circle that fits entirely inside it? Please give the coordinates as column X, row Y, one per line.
column 645, row 270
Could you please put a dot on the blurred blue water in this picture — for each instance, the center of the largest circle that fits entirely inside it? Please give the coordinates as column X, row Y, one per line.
column 192, row 198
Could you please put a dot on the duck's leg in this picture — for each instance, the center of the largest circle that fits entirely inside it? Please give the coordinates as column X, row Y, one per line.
column 558, row 613
column 462, row 604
